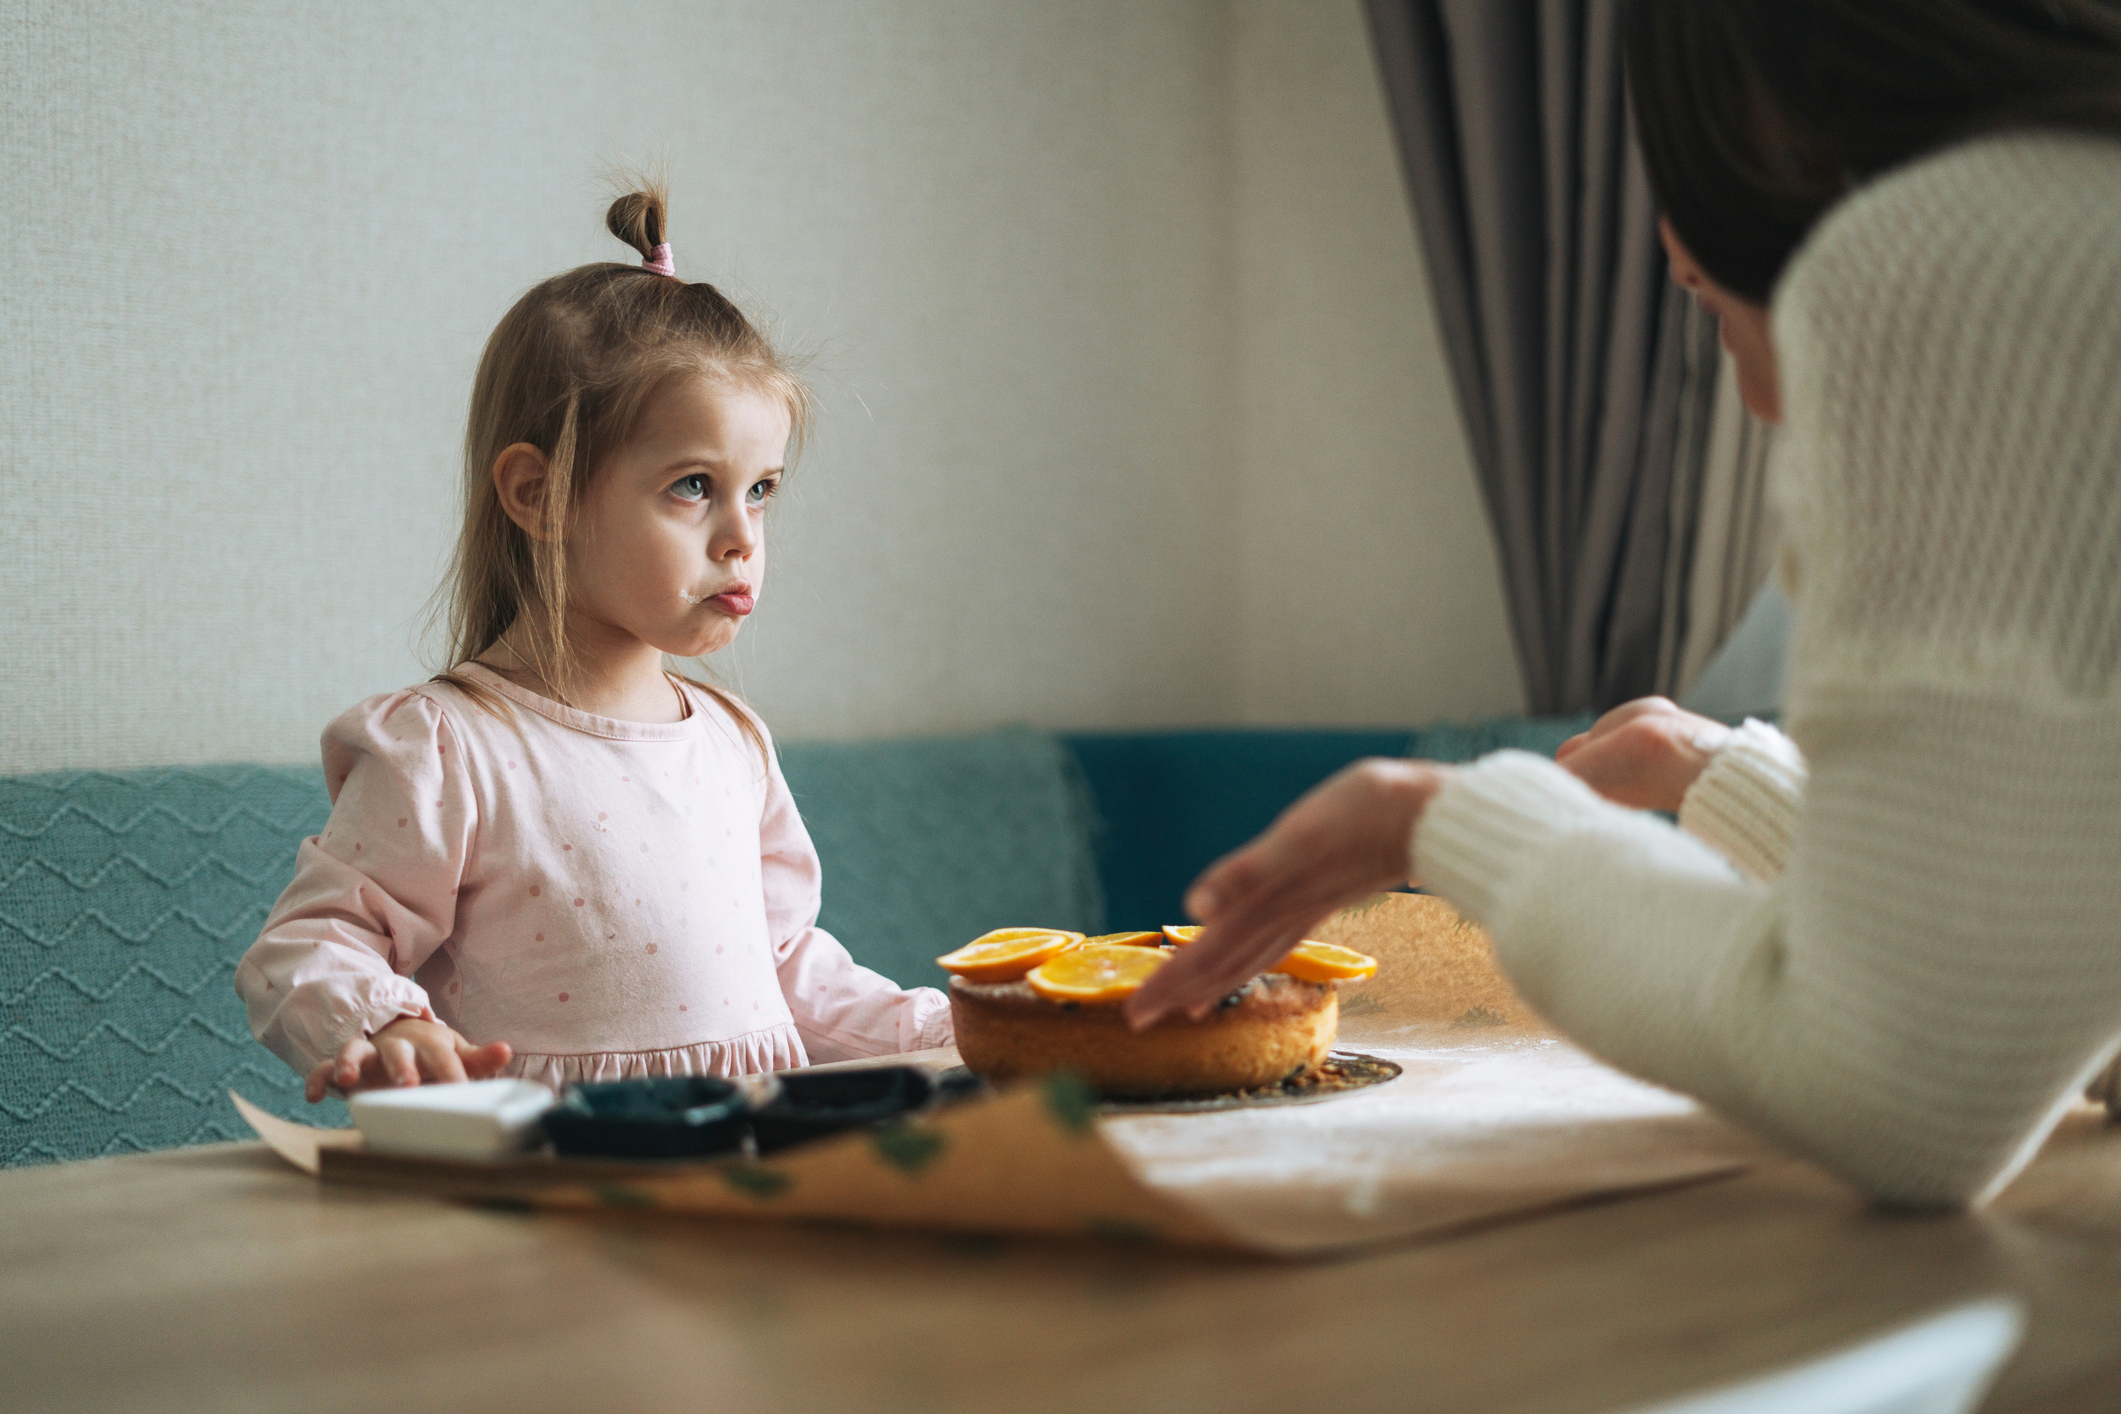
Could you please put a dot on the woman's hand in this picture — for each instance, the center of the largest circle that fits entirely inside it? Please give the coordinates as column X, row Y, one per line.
column 406, row 1052
column 1342, row 842
column 1644, row 754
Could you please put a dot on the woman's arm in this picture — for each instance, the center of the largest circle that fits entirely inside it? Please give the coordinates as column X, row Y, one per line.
column 1913, row 1005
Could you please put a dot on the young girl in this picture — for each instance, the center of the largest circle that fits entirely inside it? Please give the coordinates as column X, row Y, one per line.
column 558, row 860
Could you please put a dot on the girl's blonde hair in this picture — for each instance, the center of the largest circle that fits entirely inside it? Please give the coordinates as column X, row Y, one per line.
column 569, row 371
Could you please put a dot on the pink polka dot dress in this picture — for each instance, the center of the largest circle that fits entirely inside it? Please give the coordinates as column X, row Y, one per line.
column 611, row 898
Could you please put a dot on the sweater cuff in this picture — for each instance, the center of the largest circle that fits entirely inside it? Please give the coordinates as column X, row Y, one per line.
column 1744, row 805
column 1489, row 819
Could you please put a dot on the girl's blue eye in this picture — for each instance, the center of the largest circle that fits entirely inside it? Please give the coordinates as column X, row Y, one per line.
column 691, row 488
column 764, row 489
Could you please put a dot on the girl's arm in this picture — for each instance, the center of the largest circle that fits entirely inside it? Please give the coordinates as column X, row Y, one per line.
column 844, row 1010
column 374, row 894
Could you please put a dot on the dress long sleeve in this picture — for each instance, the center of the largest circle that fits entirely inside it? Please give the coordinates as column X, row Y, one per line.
column 844, row 1010
column 374, row 894
column 1902, row 956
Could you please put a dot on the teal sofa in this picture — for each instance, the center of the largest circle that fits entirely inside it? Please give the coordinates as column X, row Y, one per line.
column 126, row 898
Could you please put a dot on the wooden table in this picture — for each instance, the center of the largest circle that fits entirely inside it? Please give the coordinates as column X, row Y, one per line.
column 217, row 1278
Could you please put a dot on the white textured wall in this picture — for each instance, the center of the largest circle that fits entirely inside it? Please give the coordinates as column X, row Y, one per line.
column 251, row 251
column 1370, row 588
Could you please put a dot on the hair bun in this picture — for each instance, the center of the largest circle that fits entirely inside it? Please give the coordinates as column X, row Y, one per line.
column 637, row 218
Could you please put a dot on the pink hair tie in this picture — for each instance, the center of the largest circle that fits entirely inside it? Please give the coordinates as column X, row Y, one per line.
column 662, row 262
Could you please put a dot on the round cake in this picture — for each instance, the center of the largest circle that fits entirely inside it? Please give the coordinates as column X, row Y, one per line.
column 1272, row 1029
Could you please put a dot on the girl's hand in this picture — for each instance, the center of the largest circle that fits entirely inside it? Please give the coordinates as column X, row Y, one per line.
column 1344, row 841
column 406, row 1052
column 1644, row 754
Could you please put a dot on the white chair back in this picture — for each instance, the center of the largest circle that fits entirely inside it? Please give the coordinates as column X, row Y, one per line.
column 1942, row 1365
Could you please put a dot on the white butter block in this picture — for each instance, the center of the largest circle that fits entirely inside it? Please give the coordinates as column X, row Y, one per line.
column 475, row 1119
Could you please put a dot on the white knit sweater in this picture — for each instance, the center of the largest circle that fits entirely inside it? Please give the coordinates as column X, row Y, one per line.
column 1895, row 945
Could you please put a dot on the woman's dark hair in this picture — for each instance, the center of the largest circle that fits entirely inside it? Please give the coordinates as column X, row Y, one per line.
column 1755, row 116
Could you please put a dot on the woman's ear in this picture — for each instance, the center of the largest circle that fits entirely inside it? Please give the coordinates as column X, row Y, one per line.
column 521, row 477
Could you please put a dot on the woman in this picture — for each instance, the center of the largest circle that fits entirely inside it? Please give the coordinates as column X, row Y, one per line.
column 1890, row 941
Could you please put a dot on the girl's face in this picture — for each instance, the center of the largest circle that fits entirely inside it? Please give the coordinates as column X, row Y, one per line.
column 669, row 547
column 1744, row 326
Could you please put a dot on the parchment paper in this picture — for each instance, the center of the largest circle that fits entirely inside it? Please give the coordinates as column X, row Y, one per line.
column 1494, row 1119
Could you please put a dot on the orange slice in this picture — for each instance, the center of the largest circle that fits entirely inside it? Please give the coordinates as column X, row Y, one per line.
column 1181, row 934
column 1326, row 962
column 1127, row 940
column 1007, row 953
column 1106, row 972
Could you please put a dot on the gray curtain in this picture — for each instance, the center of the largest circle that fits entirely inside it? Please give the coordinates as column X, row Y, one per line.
column 1585, row 377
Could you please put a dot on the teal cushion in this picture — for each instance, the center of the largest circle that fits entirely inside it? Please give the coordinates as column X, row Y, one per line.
column 926, row 844
column 1172, row 803
column 127, row 898
column 125, row 901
